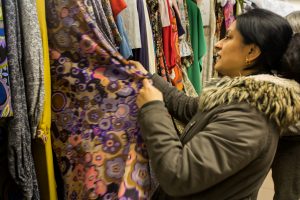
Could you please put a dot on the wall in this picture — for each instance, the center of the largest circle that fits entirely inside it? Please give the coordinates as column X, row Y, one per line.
column 295, row 2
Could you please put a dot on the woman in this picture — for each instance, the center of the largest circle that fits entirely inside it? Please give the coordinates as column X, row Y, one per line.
column 286, row 165
column 228, row 145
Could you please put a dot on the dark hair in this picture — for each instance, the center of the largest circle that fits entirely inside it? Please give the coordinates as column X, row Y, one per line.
column 291, row 59
column 270, row 32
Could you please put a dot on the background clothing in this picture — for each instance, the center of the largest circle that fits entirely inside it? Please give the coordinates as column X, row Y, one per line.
column 286, row 165
column 286, row 169
column 198, row 45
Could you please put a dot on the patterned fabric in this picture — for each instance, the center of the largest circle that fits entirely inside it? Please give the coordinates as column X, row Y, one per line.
column 188, row 86
column 229, row 14
column 33, row 67
column 172, row 52
column 219, row 21
column 186, row 51
column 96, row 11
column 111, row 21
column 20, row 161
column 155, row 20
column 5, row 96
column 150, row 43
column 95, row 134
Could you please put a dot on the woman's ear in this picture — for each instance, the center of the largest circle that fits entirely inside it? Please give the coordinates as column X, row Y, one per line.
column 254, row 53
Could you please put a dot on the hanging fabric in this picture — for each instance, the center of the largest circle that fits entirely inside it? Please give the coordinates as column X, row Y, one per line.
column 229, row 13
column 96, row 11
column 132, row 24
column 150, row 42
column 5, row 95
column 95, row 134
column 111, row 21
column 125, row 48
column 42, row 148
column 205, row 10
column 185, row 46
column 209, row 35
column 20, row 161
column 142, row 53
column 117, row 6
column 156, row 24
column 164, row 13
column 198, row 44
column 33, row 66
column 171, row 50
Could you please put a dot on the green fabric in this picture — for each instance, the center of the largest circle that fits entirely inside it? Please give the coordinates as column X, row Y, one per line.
column 198, row 44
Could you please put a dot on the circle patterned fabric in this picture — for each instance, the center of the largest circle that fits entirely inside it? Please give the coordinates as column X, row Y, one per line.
column 95, row 134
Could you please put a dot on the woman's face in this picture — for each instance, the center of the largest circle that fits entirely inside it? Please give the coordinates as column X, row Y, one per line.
column 231, row 53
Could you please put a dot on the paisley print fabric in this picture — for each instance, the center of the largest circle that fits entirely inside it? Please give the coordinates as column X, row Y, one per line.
column 94, row 115
column 5, row 96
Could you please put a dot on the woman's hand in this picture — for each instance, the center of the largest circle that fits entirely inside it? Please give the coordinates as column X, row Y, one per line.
column 148, row 93
column 139, row 66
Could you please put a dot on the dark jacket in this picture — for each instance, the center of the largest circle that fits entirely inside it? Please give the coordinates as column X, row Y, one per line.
column 228, row 145
column 286, row 166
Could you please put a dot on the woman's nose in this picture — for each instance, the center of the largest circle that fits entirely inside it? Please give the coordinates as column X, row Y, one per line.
column 219, row 44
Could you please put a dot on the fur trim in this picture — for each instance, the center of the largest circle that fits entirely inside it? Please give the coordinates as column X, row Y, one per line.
column 277, row 98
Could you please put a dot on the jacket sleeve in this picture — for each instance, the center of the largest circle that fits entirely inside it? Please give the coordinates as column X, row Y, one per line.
column 233, row 138
column 178, row 104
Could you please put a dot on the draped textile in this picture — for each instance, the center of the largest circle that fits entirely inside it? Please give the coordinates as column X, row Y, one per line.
column 20, row 161
column 94, row 114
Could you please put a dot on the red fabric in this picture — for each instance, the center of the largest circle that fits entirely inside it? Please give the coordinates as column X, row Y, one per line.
column 172, row 52
column 168, row 42
column 175, row 72
column 117, row 6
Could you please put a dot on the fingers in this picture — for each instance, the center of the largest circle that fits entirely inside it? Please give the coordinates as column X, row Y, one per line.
column 132, row 62
column 146, row 83
column 138, row 65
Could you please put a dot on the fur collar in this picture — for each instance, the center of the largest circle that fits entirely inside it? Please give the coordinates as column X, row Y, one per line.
column 277, row 98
